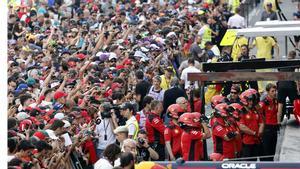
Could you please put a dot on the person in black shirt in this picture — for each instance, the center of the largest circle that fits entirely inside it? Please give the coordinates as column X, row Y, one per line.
column 11, row 21
column 142, row 88
column 171, row 95
column 144, row 151
column 286, row 88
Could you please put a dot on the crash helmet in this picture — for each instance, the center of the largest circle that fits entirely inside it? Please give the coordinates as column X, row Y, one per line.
column 190, row 120
column 221, row 110
column 217, row 99
column 174, row 111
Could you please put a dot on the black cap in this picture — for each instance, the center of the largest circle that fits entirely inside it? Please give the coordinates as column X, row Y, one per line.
column 25, row 145
column 127, row 105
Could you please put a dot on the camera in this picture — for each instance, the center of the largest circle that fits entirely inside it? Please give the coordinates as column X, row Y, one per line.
column 106, row 114
column 115, row 107
column 107, row 107
column 141, row 141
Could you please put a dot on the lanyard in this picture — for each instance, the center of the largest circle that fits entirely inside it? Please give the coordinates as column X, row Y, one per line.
column 105, row 129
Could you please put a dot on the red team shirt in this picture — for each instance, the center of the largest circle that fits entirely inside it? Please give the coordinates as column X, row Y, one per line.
column 226, row 148
column 173, row 134
column 251, row 119
column 238, row 139
column 191, row 145
column 155, row 128
column 270, row 110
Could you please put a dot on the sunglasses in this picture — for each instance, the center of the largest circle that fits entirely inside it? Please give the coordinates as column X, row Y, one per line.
column 234, row 92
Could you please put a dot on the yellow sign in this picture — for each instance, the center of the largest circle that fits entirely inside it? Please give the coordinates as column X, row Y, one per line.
column 229, row 37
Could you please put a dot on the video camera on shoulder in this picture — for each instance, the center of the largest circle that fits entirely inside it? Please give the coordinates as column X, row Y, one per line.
column 107, row 107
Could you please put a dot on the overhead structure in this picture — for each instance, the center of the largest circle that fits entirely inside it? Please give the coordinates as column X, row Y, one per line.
column 243, row 76
column 249, row 64
column 261, row 31
column 276, row 24
column 263, row 28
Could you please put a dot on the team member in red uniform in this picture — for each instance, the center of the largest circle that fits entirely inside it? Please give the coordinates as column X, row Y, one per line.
column 251, row 124
column 223, row 133
column 173, row 132
column 256, row 98
column 297, row 109
column 269, row 107
column 215, row 100
column 192, row 136
column 155, row 129
column 235, row 121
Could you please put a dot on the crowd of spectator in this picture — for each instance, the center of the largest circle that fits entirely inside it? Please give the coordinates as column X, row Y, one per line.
column 103, row 84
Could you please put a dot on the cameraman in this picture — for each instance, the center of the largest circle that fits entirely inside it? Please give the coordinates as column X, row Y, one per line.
column 144, row 151
column 105, row 125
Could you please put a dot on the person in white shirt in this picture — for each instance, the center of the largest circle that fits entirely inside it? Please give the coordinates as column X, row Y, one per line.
column 190, row 69
column 184, row 64
column 104, row 129
column 155, row 90
column 127, row 111
column 236, row 21
column 110, row 154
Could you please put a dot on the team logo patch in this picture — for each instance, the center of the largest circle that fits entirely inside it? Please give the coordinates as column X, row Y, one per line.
column 195, row 132
column 219, row 128
column 248, row 116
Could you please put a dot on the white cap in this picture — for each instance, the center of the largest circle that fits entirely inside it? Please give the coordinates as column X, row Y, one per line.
column 112, row 55
column 140, row 54
column 59, row 116
column 67, row 123
column 154, row 46
column 22, row 115
column 171, row 34
column 144, row 49
column 121, row 129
